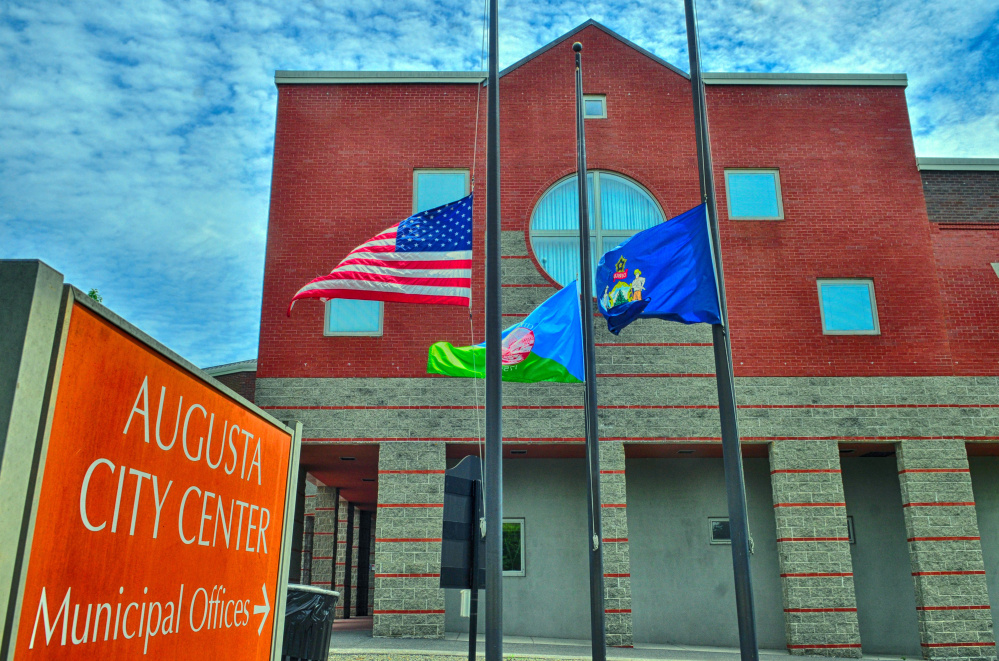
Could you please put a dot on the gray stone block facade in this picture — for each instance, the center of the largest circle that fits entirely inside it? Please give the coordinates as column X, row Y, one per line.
column 408, row 602
column 945, row 550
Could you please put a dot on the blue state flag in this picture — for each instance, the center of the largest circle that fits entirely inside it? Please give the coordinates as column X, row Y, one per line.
column 665, row 272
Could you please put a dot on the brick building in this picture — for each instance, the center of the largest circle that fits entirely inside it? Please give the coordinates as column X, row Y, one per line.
column 863, row 292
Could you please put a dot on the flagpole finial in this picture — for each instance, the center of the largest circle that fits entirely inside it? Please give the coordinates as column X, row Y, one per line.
column 577, row 47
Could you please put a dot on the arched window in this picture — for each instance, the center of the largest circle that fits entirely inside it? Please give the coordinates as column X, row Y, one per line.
column 618, row 206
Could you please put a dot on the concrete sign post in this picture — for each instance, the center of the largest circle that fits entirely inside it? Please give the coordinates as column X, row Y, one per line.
column 159, row 523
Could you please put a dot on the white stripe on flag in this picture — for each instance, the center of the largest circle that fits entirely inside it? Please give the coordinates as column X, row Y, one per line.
column 410, row 256
column 404, row 273
column 364, row 285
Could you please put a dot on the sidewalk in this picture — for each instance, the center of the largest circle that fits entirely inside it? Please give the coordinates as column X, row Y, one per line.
column 352, row 641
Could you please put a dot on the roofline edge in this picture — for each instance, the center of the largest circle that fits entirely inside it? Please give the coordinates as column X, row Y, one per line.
column 970, row 164
column 831, row 79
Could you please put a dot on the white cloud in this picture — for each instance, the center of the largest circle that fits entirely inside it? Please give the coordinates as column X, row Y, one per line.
column 137, row 138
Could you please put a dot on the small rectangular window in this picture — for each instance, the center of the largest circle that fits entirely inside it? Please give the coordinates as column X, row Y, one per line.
column 753, row 194
column 719, row 531
column 848, row 307
column 849, row 530
column 434, row 188
column 350, row 317
column 594, row 106
column 513, row 547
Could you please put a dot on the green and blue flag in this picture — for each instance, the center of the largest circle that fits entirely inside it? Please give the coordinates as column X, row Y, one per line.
column 665, row 272
column 546, row 346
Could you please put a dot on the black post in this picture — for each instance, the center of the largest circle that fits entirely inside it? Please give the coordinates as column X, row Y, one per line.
column 494, row 374
column 735, row 485
column 473, row 579
column 598, row 637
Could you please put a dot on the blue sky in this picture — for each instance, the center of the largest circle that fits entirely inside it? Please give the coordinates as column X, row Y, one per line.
column 136, row 138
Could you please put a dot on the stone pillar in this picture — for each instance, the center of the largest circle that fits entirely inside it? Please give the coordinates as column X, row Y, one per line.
column 296, row 566
column 408, row 601
column 308, row 530
column 617, row 556
column 355, row 561
column 341, row 556
column 371, row 564
column 945, row 550
column 813, row 547
column 323, row 536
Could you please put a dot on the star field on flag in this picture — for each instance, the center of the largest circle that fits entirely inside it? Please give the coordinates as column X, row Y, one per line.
column 426, row 258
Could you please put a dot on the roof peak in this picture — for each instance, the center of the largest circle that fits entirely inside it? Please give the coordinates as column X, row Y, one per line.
column 600, row 26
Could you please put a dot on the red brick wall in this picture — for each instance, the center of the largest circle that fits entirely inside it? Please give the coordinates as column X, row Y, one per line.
column 961, row 196
column 853, row 201
column 245, row 383
column 971, row 294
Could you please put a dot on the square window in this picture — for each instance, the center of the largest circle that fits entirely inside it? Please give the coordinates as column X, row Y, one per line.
column 753, row 195
column 719, row 531
column 346, row 316
column 594, row 106
column 848, row 307
column 434, row 188
column 513, row 547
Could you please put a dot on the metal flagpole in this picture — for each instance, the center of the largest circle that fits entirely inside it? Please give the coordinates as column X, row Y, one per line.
column 598, row 638
column 734, row 481
column 494, row 375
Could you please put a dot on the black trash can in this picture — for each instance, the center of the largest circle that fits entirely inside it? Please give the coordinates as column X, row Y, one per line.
column 308, row 623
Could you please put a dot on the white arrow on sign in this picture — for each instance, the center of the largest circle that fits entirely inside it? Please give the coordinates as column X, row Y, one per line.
column 265, row 609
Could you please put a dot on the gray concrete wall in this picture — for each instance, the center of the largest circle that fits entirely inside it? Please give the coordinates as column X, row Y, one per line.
column 552, row 598
column 682, row 587
column 985, row 483
column 882, row 578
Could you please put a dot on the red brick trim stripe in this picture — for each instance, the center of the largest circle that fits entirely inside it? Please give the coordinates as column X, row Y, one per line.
column 410, row 504
column 615, row 539
column 515, row 257
column 653, row 344
column 971, row 504
column 820, row 610
column 322, row 557
column 617, row 575
column 617, row 610
column 325, row 509
column 951, row 608
column 809, row 504
column 805, row 470
column 407, row 575
column 405, row 539
column 934, row 470
column 664, row 406
column 434, row 472
column 944, row 539
column 970, row 572
column 813, row 539
column 408, row 612
column 824, row 647
column 675, row 375
column 957, row 644
column 612, row 472
column 817, row 574
column 613, row 505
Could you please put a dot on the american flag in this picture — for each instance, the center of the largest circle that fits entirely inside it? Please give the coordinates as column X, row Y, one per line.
column 426, row 258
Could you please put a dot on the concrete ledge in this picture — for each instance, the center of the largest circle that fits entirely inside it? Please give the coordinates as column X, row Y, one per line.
column 841, row 79
column 973, row 164
column 369, row 77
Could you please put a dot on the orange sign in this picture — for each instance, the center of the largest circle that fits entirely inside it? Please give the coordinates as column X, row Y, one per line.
column 160, row 514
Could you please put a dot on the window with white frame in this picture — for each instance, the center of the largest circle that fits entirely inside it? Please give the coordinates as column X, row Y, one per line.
column 753, row 195
column 618, row 207
column 513, row 547
column 594, row 106
column 848, row 307
column 353, row 317
column 434, row 188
